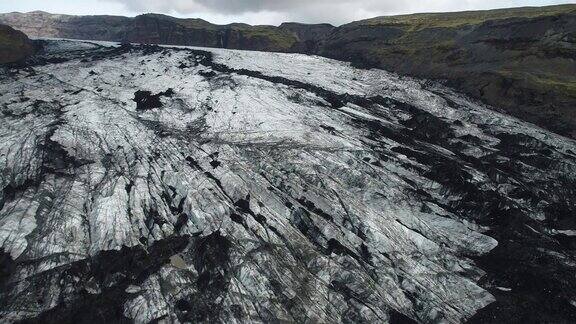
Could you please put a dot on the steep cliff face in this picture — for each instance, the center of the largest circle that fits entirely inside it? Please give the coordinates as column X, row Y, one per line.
column 154, row 29
column 160, row 29
column 14, row 45
column 310, row 36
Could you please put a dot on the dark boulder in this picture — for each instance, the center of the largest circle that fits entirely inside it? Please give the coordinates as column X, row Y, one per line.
column 14, row 45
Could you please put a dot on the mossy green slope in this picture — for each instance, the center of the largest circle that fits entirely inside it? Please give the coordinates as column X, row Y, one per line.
column 416, row 22
column 521, row 60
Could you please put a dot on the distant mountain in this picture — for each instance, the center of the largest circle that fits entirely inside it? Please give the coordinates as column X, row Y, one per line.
column 14, row 45
column 162, row 29
column 521, row 60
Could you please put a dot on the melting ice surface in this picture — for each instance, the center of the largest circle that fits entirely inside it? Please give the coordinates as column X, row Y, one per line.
column 200, row 185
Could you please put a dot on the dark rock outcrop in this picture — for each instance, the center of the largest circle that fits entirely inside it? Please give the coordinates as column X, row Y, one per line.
column 310, row 37
column 14, row 45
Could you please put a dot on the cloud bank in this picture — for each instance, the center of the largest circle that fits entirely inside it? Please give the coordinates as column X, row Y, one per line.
column 309, row 11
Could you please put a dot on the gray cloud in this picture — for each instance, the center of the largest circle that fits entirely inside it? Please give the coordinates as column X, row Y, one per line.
column 310, row 11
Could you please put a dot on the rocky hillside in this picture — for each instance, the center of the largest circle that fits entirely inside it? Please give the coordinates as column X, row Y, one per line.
column 148, row 184
column 520, row 60
column 14, row 45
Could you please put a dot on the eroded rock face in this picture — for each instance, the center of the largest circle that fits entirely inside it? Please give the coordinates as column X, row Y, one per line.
column 264, row 187
column 14, row 45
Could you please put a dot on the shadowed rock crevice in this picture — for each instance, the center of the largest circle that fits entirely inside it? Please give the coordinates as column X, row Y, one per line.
column 211, row 259
column 104, row 280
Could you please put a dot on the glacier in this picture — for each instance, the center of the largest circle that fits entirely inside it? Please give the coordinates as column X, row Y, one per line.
column 146, row 183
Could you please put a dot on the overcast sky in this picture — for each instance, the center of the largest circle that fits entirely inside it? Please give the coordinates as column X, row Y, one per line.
column 271, row 12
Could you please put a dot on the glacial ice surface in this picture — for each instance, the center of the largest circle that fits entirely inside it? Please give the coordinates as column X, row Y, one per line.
column 204, row 185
